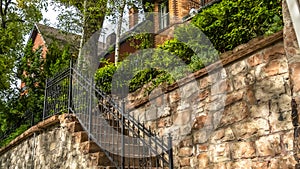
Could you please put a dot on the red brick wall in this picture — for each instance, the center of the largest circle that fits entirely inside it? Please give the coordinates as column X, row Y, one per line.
column 38, row 42
column 125, row 49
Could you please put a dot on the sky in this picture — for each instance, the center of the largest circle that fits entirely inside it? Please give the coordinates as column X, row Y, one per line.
column 50, row 15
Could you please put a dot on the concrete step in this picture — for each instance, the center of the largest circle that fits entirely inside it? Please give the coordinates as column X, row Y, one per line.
column 80, row 136
column 131, row 150
column 89, row 147
column 100, row 159
column 74, row 126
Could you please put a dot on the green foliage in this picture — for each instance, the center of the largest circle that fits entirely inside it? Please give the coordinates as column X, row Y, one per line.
column 15, row 134
column 143, row 77
column 94, row 15
column 16, row 18
column 58, row 58
column 104, row 75
column 142, row 41
column 234, row 22
column 222, row 26
column 31, row 73
column 179, row 49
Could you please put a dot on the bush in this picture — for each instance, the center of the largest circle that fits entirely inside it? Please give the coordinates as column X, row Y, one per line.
column 179, row 49
column 234, row 22
column 104, row 75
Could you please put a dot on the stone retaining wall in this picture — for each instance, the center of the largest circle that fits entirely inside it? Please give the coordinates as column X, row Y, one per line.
column 48, row 145
column 231, row 115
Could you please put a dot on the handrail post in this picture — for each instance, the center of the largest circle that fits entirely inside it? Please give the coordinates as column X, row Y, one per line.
column 70, row 86
column 170, row 152
column 45, row 99
column 32, row 119
column 90, row 97
column 123, row 133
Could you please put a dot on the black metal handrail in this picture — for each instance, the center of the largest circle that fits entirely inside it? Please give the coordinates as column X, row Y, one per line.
column 124, row 139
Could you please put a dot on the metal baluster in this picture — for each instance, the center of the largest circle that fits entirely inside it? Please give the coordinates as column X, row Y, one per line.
column 123, row 133
column 156, row 148
column 170, row 151
column 45, row 99
column 149, row 148
column 162, row 141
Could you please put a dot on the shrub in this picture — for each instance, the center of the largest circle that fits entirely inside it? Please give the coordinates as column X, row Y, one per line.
column 234, row 22
column 104, row 75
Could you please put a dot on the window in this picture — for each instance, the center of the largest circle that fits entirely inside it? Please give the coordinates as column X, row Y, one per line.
column 163, row 15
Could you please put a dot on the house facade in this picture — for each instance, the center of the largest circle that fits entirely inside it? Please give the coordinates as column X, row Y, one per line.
column 43, row 36
column 167, row 14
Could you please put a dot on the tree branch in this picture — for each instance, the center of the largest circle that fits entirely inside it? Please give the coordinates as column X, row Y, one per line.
column 2, row 14
column 1, row 1
column 6, row 6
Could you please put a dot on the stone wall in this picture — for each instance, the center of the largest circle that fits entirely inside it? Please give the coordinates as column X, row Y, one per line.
column 236, row 113
column 45, row 146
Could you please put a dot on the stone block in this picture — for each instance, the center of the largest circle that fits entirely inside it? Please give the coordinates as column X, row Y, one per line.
column 163, row 111
column 288, row 140
column 238, row 67
column 275, row 67
column 201, row 136
column 251, row 128
column 234, row 113
column 241, row 164
column 295, row 76
column 285, row 162
column 268, row 145
column 219, row 166
column 269, row 87
column 185, row 152
column 174, row 96
column 203, row 95
column 164, row 122
column 184, row 161
column 202, row 148
column 222, row 135
column 280, row 121
column 255, row 59
column 219, row 153
column 274, row 50
column 250, row 96
column 186, row 142
column 234, row 97
column 217, row 104
column 151, row 113
column 221, row 86
column 284, row 103
column 260, row 110
column 204, row 82
column 242, row 150
column 239, row 81
column 203, row 160
column 182, row 117
column 200, row 121
column 189, row 89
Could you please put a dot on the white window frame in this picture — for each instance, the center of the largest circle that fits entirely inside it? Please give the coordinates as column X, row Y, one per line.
column 163, row 15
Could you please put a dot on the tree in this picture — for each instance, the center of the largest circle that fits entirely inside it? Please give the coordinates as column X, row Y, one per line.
column 92, row 13
column 16, row 20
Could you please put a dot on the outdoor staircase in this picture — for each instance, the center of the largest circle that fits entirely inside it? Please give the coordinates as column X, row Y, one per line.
column 98, row 156
column 112, row 137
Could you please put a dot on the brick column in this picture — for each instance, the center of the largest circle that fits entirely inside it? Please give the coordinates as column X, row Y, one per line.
column 133, row 17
